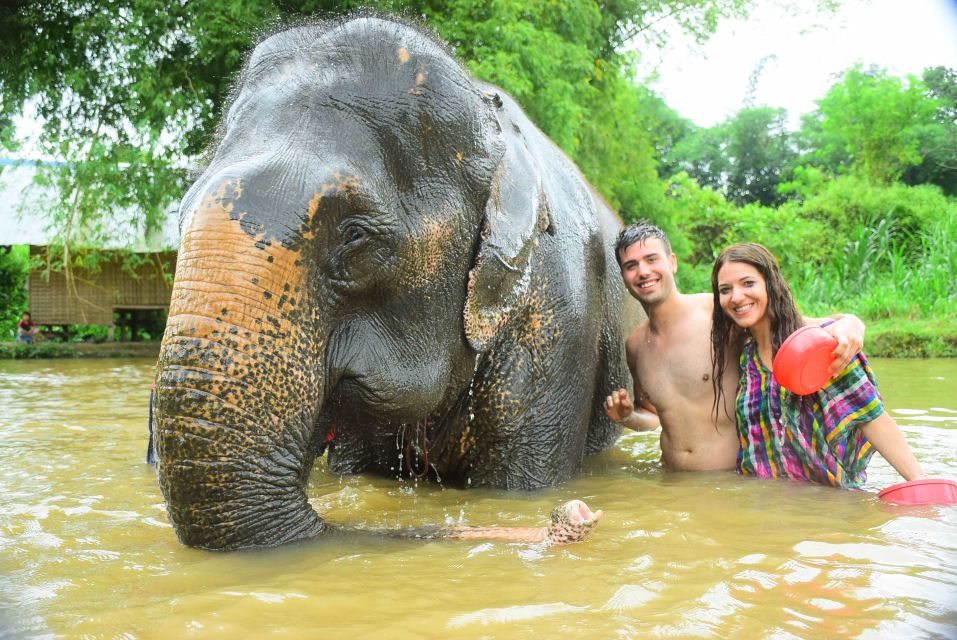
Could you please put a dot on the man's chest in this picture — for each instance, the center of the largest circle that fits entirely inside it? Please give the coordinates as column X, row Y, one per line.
column 677, row 369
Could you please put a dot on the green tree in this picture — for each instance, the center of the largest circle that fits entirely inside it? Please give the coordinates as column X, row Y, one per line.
column 744, row 158
column 665, row 128
column 938, row 137
column 128, row 91
column 13, row 294
column 759, row 154
column 869, row 121
column 703, row 155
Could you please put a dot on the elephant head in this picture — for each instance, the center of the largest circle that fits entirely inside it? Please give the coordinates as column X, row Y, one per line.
column 360, row 232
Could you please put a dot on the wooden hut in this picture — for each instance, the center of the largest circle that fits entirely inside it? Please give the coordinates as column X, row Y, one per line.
column 114, row 295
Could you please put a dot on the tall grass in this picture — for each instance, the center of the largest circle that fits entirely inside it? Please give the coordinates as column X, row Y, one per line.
column 884, row 272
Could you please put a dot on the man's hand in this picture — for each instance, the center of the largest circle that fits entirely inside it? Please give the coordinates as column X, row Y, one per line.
column 618, row 405
column 572, row 522
column 620, row 408
column 848, row 330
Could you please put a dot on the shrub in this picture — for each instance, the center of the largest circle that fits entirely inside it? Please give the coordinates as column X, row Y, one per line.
column 13, row 294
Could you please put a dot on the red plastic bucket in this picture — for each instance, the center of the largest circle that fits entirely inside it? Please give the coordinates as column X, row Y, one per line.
column 926, row 491
column 801, row 364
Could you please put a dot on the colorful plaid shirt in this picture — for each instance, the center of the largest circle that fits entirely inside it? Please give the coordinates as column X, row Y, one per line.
column 814, row 437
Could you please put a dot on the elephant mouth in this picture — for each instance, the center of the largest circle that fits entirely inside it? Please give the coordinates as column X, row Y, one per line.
column 360, row 399
column 357, row 389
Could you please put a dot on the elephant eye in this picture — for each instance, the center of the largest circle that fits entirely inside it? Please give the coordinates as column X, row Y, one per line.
column 353, row 234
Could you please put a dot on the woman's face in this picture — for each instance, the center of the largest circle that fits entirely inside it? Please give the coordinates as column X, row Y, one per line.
column 743, row 294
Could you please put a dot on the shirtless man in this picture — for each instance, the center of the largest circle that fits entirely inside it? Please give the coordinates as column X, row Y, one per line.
column 670, row 360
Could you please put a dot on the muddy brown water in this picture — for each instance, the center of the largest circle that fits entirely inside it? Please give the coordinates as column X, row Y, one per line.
column 86, row 550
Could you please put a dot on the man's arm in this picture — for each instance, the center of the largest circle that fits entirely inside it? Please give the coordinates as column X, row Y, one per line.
column 620, row 408
column 848, row 330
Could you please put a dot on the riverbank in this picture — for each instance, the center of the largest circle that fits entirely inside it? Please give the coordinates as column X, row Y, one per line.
column 11, row 350
column 896, row 338
column 888, row 338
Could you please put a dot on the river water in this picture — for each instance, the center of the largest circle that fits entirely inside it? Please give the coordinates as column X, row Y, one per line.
column 86, row 550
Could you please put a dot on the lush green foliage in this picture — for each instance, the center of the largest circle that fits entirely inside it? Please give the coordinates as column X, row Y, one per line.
column 937, row 139
column 872, row 120
column 126, row 93
column 846, row 245
column 13, row 295
column 869, row 124
column 129, row 92
column 745, row 158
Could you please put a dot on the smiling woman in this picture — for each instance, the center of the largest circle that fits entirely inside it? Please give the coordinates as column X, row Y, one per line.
column 827, row 436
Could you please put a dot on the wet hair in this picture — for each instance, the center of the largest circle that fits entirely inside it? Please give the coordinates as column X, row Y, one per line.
column 639, row 232
column 782, row 311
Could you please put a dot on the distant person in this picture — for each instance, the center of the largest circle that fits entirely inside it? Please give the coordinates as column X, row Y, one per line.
column 826, row 437
column 26, row 329
column 669, row 356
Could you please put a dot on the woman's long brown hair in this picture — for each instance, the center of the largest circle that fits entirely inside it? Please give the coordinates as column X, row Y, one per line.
column 782, row 310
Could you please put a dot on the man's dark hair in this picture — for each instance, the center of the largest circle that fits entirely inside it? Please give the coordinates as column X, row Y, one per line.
column 639, row 232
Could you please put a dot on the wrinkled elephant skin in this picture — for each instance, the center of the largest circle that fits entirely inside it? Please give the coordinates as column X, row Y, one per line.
column 384, row 259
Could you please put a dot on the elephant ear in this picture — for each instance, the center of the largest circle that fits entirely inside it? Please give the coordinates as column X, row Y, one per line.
column 515, row 215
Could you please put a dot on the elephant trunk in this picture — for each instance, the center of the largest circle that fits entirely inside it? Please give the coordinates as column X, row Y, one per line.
column 238, row 388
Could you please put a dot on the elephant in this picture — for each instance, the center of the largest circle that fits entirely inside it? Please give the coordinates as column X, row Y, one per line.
column 386, row 262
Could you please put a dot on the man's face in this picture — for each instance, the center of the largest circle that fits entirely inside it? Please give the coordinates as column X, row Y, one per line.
column 649, row 271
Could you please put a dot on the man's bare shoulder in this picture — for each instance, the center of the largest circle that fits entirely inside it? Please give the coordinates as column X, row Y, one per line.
column 697, row 311
column 637, row 337
column 704, row 301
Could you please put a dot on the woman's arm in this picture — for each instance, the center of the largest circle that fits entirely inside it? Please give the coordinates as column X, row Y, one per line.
column 886, row 437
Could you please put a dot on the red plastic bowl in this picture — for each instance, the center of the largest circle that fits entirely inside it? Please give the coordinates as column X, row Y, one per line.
column 801, row 364
column 927, row 491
